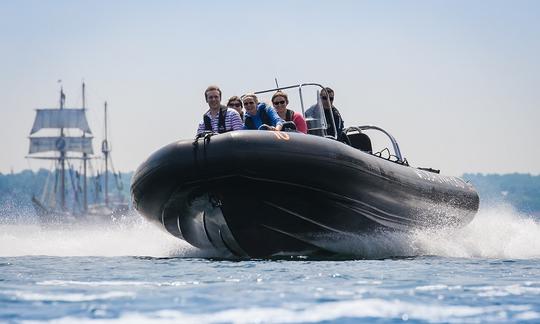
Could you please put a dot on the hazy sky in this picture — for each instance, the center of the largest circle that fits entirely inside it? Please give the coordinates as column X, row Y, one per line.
column 456, row 82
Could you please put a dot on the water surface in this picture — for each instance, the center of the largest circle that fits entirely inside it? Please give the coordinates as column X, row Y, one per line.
column 134, row 272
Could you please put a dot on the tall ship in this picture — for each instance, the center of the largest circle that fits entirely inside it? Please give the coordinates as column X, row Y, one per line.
column 76, row 188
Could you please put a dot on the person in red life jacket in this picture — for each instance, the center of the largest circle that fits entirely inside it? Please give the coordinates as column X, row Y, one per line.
column 218, row 118
column 260, row 115
column 236, row 103
column 280, row 100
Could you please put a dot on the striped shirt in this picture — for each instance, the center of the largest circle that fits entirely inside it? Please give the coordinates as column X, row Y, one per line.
column 232, row 121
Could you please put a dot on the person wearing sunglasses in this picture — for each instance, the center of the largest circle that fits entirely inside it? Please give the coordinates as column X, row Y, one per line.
column 260, row 115
column 327, row 100
column 218, row 118
column 280, row 100
column 236, row 103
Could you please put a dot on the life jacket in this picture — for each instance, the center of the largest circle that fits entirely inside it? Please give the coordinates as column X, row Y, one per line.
column 250, row 124
column 221, row 122
column 289, row 114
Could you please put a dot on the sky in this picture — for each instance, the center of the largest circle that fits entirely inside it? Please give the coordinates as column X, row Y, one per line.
column 457, row 83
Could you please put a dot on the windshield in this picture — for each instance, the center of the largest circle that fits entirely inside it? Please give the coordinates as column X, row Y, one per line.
column 305, row 99
column 314, row 113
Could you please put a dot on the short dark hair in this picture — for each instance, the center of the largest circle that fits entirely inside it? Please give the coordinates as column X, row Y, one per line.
column 326, row 91
column 233, row 99
column 210, row 88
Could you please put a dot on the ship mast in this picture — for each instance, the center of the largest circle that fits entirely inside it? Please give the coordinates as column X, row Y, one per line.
column 62, row 147
column 106, row 150
column 61, row 119
column 85, row 158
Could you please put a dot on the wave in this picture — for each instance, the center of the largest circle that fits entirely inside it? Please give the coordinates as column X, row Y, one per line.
column 495, row 233
column 370, row 308
column 128, row 236
column 498, row 233
column 67, row 297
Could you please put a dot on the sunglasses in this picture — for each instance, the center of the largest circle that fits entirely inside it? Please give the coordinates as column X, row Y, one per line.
column 237, row 105
column 325, row 98
column 282, row 102
column 249, row 103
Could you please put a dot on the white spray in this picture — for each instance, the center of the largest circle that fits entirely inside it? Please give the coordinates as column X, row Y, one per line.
column 497, row 232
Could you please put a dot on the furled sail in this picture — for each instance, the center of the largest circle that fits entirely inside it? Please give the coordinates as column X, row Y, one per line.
column 61, row 118
column 66, row 144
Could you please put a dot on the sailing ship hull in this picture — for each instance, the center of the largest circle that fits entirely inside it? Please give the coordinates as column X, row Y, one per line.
column 96, row 213
column 260, row 193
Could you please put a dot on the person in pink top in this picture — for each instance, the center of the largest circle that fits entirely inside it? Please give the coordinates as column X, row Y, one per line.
column 280, row 100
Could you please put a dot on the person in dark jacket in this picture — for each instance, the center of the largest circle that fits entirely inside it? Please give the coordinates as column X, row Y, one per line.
column 327, row 100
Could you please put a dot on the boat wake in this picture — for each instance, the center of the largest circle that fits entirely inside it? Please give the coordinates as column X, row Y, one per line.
column 499, row 233
column 494, row 233
column 127, row 236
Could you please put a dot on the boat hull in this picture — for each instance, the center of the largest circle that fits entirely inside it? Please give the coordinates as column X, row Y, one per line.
column 260, row 193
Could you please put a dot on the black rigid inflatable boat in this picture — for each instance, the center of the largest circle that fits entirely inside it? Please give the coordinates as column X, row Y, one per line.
column 257, row 193
column 261, row 193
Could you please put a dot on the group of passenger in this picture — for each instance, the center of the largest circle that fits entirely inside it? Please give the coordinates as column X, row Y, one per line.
column 259, row 115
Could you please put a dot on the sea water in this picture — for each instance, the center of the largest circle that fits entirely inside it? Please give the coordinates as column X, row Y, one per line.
column 131, row 271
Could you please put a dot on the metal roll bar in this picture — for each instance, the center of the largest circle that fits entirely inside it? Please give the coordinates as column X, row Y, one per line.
column 395, row 144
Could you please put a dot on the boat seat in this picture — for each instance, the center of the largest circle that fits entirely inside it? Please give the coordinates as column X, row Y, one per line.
column 360, row 141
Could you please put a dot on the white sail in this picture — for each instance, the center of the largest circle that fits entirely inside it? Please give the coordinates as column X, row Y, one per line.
column 66, row 144
column 61, row 118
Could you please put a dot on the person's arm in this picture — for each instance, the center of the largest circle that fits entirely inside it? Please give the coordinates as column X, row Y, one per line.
column 300, row 122
column 277, row 122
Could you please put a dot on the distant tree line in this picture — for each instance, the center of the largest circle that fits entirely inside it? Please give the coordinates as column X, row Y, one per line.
column 522, row 191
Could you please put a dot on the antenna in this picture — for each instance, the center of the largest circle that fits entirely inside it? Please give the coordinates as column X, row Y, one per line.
column 277, row 85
